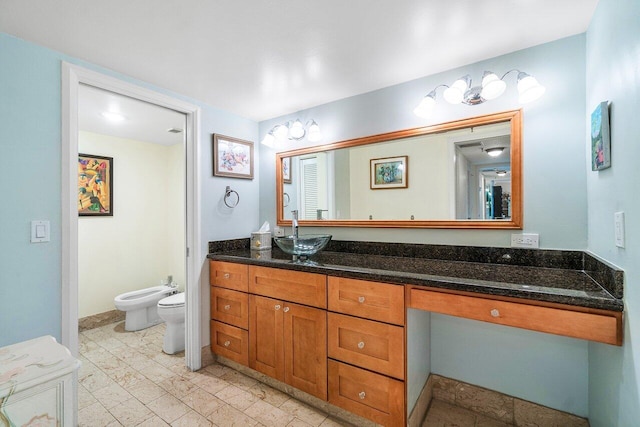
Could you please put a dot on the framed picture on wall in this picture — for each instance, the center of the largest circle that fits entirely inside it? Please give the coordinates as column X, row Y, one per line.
column 389, row 172
column 286, row 170
column 600, row 138
column 95, row 185
column 232, row 157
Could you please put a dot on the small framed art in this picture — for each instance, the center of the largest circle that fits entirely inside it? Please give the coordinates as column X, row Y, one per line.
column 286, row 170
column 600, row 138
column 232, row 157
column 389, row 172
column 95, row 185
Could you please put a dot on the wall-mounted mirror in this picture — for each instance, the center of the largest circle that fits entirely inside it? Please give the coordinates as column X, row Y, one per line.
column 462, row 174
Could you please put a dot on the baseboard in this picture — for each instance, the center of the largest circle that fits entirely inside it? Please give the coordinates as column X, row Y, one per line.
column 419, row 412
column 100, row 319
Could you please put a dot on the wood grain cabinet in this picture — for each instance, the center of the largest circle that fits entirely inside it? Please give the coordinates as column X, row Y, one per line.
column 287, row 342
column 229, row 310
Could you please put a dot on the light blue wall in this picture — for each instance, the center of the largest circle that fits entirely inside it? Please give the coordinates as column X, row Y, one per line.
column 549, row 370
column 613, row 74
column 30, row 185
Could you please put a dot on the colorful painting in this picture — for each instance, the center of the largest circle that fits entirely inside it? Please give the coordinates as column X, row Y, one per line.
column 95, row 185
column 389, row 172
column 600, row 139
column 286, row 170
column 232, row 157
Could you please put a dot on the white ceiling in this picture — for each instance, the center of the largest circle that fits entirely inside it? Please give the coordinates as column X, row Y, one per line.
column 265, row 58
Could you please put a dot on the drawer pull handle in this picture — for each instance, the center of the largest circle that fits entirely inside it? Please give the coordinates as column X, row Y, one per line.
column 227, row 307
column 277, row 307
column 361, row 345
column 227, row 275
column 495, row 313
column 360, row 300
column 362, row 395
column 227, row 343
column 286, row 309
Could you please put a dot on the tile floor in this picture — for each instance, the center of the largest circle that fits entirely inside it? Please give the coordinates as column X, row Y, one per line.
column 126, row 380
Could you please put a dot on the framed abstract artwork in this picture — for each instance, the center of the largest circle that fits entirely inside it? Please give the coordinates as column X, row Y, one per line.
column 95, row 185
column 232, row 157
column 389, row 172
column 600, row 138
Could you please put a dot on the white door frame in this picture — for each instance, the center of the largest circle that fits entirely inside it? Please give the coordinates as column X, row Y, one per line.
column 72, row 77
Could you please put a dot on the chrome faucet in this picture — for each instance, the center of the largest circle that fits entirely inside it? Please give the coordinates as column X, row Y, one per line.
column 294, row 222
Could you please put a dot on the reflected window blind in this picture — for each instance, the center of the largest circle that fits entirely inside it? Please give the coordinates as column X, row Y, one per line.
column 309, row 188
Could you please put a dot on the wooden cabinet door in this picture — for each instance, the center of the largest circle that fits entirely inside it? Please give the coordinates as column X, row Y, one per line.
column 266, row 350
column 305, row 349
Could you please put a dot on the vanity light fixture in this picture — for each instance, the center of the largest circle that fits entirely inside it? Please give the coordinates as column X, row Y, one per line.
column 292, row 130
column 462, row 92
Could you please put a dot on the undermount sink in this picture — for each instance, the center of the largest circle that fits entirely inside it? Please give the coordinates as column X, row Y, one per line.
column 303, row 246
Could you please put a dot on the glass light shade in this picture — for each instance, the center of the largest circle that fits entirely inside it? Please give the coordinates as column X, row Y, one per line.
column 455, row 93
column 314, row 132
column 528, row 88
column 426, row 106
column 495, row 151
column 281, row 132
column 501, row 173
column 492, row 86
column 269, row 140
column 296, row 131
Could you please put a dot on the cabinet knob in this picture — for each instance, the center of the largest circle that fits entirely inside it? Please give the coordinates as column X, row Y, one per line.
column 227, row 343
column 362, row 395
column 227, row 307
column 360, row 300
column 286, row 309
column 277, row 307
column 495, row 313
column 226, row 275
column 361, row 345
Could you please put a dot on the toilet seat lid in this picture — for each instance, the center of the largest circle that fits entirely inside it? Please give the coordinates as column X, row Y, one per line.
column 173, row 300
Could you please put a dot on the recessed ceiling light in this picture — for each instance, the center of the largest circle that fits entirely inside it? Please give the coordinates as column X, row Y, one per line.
column 174, row 130
column 113, row 116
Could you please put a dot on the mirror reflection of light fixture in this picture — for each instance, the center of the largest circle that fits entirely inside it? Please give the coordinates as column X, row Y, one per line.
column 501, row 172
column 462, row 92
column 494, row 151
column 292, row 130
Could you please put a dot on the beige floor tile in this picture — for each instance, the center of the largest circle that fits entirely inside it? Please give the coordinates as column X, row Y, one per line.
column 131, row 412
column 236, row 397
column 487, row 402
column 111, row 395
column 304, row 412
column 191, row 419
column 211, row 384
column 184, row 372
column 94, row 415
column 85, row 398
column 168, row 408
column 95, row 381
column 146, row 391
column 202, row 402
column 178, row 386
column 168, row 360
column 298, row 423
column 217, row 370
column 154, row 421
column 268, row 414
column 228, row 416
column 482, row 421
column 239, row 380
column 269, row 394
column 333, row 422
column 126, row 376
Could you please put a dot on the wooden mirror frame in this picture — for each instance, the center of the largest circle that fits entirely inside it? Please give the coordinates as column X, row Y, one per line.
column 515, row 222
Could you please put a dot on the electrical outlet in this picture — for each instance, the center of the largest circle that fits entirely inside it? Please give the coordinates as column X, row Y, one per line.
column 618, row 219
column 278, row 232
column 525, row 240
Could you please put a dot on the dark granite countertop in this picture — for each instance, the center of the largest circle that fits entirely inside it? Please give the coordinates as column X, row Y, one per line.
column 566, row 277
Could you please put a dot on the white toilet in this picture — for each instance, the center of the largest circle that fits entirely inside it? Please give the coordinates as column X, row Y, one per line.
column 140, row 306
column 171, row 310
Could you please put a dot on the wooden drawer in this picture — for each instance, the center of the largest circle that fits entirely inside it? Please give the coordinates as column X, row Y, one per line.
column 371, row 300
column 230, row 307
column 229, row 275
column 370, row 395
column 365, row 343
column 295, row 286
column 586, row 325
column 230, row 342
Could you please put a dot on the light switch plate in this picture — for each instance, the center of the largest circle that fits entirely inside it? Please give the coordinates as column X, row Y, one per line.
column 618, row 220
column 40, row 231
column 525, row 240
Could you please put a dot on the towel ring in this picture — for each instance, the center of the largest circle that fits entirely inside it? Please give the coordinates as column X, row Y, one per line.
column 285, row 204
column 227, row 193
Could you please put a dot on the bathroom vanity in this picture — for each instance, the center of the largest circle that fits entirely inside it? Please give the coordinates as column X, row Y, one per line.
column 337, row 329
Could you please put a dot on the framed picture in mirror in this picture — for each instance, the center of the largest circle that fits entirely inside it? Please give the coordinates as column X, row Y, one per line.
column 389, row 172
column 286, row 170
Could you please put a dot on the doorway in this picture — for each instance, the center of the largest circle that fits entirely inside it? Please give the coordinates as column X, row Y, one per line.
column 72, row 77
